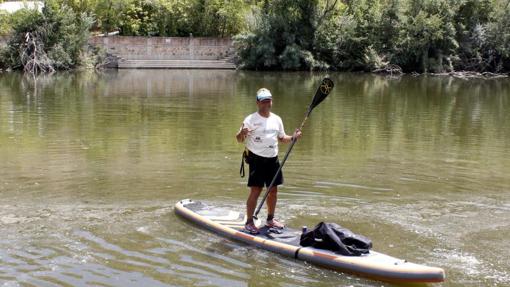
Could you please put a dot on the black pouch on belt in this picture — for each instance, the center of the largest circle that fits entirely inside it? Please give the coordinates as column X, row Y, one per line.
column 244, row 158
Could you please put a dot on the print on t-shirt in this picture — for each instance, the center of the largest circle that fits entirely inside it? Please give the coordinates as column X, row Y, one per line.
column 264, row 132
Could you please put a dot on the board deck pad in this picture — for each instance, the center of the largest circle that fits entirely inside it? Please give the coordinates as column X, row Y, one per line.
column 236, row 220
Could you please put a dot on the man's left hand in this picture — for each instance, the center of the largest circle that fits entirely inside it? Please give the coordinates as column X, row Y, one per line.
column 297, row 134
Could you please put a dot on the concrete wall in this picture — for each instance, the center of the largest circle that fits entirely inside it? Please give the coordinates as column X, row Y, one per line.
column 167, row 48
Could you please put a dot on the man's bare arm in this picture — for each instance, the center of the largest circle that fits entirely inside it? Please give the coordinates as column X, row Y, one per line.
column 288, row 139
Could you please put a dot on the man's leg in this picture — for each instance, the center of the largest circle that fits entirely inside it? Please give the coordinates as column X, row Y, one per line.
column 251, row 203
column 271, row 200
column 271, row 206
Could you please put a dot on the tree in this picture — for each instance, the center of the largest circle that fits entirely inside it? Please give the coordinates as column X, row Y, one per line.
column 497, row 46
column 108, row 14
column 43, row 42
column 285, row 36
column 427, row 37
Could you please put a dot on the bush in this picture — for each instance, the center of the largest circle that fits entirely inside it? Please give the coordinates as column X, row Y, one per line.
column 5, row 25
column 43, row 42
column 417, row 35
column 284, row 37
column 496, row 47
column 255, row 51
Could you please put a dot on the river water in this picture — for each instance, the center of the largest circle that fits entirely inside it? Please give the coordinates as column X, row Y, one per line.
column 91, row 165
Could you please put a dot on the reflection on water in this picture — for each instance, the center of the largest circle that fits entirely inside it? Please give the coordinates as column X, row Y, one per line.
column 91, row 165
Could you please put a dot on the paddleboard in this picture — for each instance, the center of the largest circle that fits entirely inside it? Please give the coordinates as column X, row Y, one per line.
column 374, row 265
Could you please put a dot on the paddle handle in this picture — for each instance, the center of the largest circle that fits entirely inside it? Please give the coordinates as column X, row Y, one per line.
column 259, row 207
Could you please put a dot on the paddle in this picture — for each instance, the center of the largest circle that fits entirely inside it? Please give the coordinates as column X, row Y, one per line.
column 321, row 93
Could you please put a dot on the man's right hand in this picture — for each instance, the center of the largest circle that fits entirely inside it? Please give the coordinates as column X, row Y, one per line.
column 244, row 132
column 241, row 135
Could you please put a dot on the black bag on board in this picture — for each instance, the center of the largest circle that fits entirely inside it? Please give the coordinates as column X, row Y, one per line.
column 331, row 236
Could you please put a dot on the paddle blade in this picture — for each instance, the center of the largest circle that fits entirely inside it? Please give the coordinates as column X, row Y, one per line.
column 322, row 92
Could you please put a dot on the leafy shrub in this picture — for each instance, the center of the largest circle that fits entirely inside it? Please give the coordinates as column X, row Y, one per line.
column 53, row 39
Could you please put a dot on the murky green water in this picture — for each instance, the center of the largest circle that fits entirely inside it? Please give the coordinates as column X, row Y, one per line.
column 92, row 164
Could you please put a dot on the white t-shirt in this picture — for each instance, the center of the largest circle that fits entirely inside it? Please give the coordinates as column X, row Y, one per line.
column 264, row 132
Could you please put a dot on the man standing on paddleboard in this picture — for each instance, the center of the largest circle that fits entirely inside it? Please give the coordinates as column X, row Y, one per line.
column 261, row 132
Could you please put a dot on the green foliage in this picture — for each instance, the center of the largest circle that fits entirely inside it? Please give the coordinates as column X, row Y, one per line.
column 139, row 18
column 58, row 32
column 5, row 25
column 493, row 40
column 418, row 35
column 284, row 37
column 472, row 32
column 165, row 17
column 357, row 33
column 428, row 36
column 22, row 21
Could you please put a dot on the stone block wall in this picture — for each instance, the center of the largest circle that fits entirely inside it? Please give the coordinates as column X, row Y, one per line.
column 166, row 48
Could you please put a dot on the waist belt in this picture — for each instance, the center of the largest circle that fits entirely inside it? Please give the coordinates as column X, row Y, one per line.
column 261, row 158
column 250, row 157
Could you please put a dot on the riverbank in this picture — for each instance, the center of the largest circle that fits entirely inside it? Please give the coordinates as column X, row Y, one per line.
column 140, row 52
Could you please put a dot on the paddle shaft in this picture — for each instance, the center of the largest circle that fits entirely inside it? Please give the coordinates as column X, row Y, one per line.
column 281, row 166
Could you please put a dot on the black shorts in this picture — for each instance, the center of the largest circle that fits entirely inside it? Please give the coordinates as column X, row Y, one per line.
column 262, row 170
